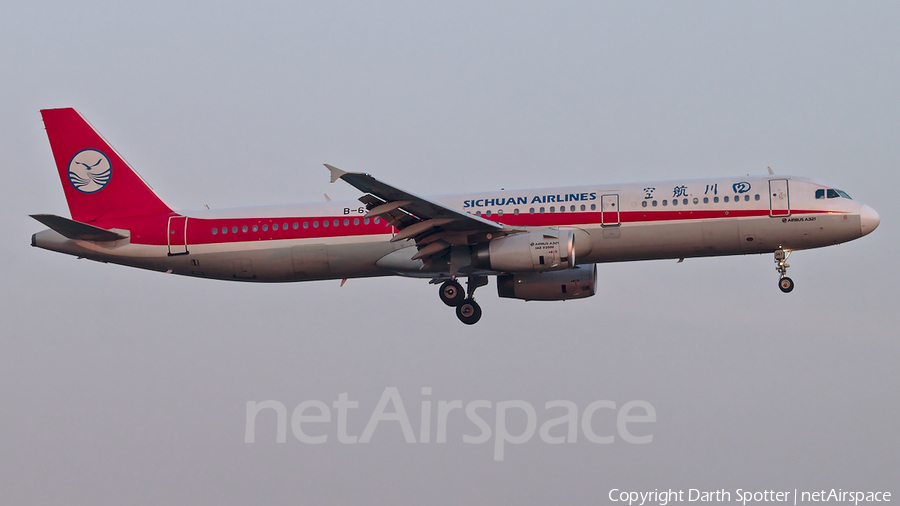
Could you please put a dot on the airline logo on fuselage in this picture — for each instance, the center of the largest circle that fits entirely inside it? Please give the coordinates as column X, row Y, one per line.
column 89, row 171
column 536, row 199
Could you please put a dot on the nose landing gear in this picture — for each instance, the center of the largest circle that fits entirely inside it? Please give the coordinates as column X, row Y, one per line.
column 467, row 310
column 785, row 284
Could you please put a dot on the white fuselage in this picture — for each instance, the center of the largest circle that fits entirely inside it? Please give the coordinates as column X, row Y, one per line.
column 611, row 223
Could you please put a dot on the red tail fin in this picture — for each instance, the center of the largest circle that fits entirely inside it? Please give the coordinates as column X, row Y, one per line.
column 98, row 183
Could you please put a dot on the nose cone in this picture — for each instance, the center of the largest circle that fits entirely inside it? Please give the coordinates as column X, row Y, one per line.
column 868, row 219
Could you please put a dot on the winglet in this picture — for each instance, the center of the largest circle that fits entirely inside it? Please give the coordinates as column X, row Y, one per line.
column 336, row 173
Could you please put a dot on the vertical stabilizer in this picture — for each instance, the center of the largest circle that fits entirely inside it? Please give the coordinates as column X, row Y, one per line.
column 98, row 183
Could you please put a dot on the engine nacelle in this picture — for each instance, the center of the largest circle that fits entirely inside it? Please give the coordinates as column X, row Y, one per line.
column 576, row 283
column 543, row 250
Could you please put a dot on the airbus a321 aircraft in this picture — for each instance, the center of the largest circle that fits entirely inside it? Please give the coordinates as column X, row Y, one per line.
column 541, row 244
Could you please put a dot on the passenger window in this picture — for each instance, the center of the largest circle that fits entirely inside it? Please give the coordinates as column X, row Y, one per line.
column 224, row 230
column 324, row 223
column 531, row 211
column 376, row 220
column 583, row 207
column 356, row 221
column 572, row 208
column 284, row 226
column 346, row 222
column 274, row 226
column 516, row 211
column 500, row 212
column 487, row 213
column 674, row 202
column 215, row 231
column 593, row 207
column 296, row 225
column 665, row 202
column 265, row 228
column 542, row 210
column 654, row 203
column 336, row 222
column 552, row 209
column 746, row 198
column 244, row 229
column 644, row 204
column 706, row 200
column 315, row 224
column 477, row 213
column 726, row 198
column 696, row 200
column 820, row 193
column 365, row 221
column 756, row 197
column 255, row 228
column 233, row 230
column 305, row 224
column 562, row 209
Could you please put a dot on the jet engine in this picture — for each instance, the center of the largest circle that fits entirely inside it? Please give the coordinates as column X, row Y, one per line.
column 576, row 283
column 543, row 250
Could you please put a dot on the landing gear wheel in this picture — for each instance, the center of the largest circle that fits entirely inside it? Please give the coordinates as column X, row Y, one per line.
column 452, row 293
column 469, row 312
column 786, row 284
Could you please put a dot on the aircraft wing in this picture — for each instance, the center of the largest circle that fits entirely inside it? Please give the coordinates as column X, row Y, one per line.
column 435, row 227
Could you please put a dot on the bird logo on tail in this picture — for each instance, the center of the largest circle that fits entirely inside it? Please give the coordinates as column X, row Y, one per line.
column 89, row 171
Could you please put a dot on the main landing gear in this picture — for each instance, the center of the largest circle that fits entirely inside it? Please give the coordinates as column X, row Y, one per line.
column 467, row 310
column 452, row 293
column 785, row 283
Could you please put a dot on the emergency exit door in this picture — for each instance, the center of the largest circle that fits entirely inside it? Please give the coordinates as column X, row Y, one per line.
column 177, row 234
column 609, row 210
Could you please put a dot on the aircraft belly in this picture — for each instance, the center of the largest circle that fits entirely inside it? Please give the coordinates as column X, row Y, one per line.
column 646, row 241
column 799, row 231
column 354, row 260
column 721, row 237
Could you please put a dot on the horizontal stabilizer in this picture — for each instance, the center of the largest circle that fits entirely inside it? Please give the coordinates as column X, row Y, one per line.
column 76, row 230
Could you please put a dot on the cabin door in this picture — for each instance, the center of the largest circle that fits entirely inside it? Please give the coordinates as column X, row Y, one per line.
column 779, row 199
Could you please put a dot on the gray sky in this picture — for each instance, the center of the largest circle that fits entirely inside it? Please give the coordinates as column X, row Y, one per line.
column 126, row 386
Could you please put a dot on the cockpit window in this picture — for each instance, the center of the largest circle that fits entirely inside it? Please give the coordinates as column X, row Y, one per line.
column 831, row 194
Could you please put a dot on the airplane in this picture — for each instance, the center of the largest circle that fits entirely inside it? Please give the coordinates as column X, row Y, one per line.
column 540, row 244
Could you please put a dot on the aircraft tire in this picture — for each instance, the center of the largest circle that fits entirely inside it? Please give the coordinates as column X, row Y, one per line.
column 786, row 284
column 452, row 293
column 469, row 312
